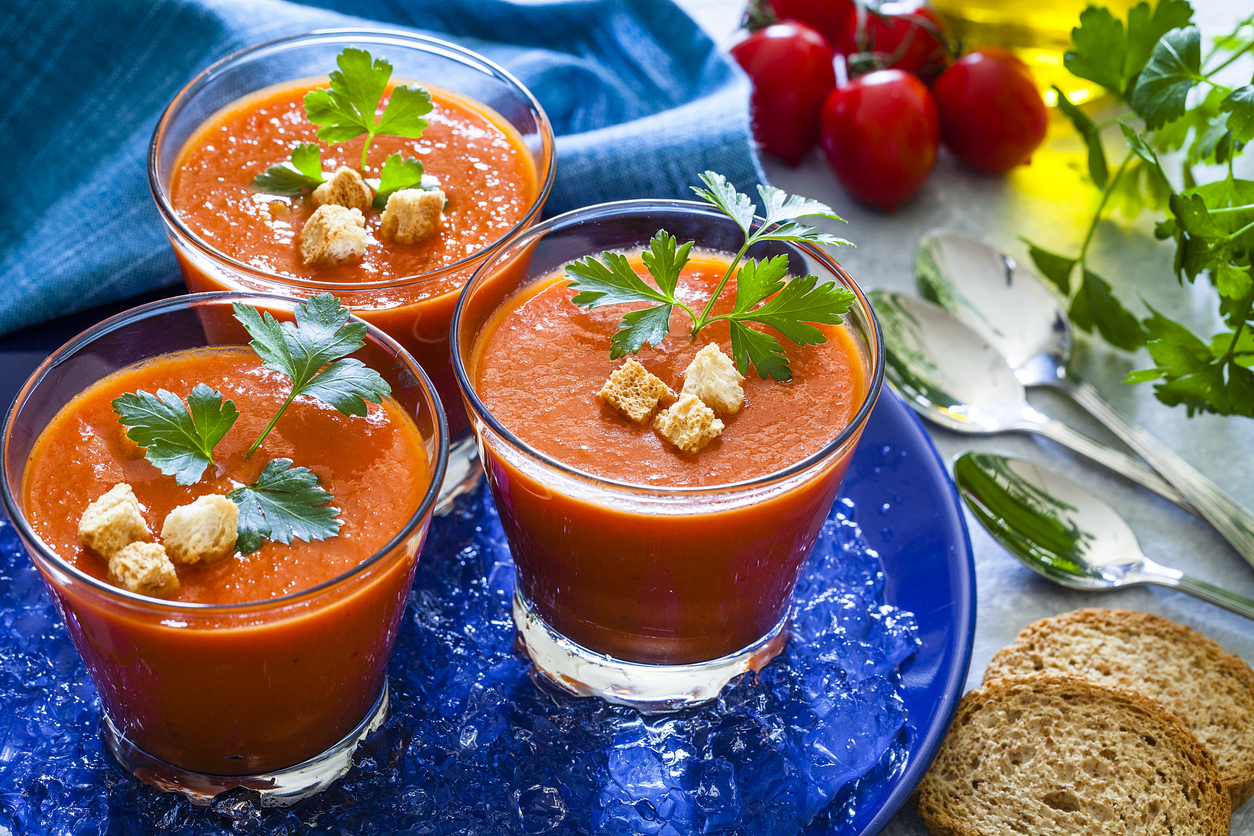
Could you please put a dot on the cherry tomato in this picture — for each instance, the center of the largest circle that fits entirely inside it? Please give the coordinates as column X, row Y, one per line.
column 904, row 35
column 791, row 68
column 991, row 113
column 834, row 19
column 880, row 134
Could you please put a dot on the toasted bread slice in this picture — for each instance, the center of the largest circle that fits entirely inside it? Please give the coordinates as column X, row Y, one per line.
column 1211, row 690
column 1064, row 756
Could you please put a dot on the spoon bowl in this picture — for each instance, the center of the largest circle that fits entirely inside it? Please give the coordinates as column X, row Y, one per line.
column 1064, row 533
column 953, row 377
column 1002, row 301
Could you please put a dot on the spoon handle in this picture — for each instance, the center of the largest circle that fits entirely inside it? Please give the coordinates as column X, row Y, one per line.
column 1174, row 578
column 1233, row 521
column 1113, row 459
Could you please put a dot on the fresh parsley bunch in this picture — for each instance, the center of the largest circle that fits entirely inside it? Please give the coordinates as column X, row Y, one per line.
column 346, row 111
column 285, row 502
column 762, row 293
column 1154, row 63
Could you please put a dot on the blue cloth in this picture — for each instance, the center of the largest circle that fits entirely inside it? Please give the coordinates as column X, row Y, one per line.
column 640, row 99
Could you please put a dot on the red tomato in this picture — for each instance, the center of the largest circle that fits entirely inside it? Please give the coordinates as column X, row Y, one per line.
column 880, row 135
column 991, row 113
column 906, row 36
column 791, row 68
column 834, row 19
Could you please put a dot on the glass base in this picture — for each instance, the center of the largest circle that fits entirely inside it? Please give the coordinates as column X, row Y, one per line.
column 463, row 474
column 647, row 688
column 278, row 789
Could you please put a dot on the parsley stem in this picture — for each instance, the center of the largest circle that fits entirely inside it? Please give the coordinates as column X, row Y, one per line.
column 700, row 323
column 1241, row 231
column 270, row 426
column 365, row 148
column 1097, row 216
column 1236, row 55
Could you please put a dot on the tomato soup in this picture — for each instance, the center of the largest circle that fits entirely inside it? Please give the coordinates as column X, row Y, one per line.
column 643, row 573
column 269, row 677
column 489, row 176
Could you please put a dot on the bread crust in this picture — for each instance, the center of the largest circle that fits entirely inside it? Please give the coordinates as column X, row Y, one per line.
column 1053, row 755
column 1193, row 677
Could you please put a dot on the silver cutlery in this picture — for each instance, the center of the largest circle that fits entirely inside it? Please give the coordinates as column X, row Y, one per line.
column 953, row 377
column 1011, row 308
column 1066, row 534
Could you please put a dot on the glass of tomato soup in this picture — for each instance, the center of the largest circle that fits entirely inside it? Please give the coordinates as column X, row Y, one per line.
column 646, row 575
column 488, row 145
column 266, row 668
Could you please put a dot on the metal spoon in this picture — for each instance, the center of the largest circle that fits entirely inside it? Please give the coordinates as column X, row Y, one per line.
column 1011, row 308
column 953, row 377
column 1066, row 534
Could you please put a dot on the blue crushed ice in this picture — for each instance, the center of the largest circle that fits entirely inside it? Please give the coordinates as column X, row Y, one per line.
column 472, row 746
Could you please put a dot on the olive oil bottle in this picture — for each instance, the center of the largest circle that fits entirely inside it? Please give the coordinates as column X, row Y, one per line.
column 1038, row 31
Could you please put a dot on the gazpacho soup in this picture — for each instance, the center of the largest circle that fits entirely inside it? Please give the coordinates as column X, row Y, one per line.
column 665, row 428
column 384, row 189
column 251, row 517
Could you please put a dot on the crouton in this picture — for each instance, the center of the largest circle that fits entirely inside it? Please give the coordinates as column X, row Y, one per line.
column 333, row 236
column 688, row 424
column 144, row 568
column 713, row 378
column 413, row 215
column 113, row 522
column 345, row 188
column 633, row 391
column 203, row 532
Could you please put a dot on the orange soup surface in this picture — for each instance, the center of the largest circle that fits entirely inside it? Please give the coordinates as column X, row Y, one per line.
column 375, row 467
column 543, row 360
column 489, row 178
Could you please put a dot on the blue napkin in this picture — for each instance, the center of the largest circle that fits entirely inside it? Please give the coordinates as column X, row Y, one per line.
column 640, row 99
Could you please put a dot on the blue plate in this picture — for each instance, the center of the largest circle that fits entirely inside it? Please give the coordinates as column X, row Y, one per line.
column 909, row 512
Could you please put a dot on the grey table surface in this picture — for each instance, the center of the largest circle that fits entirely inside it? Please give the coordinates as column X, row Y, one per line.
column 1048, row 203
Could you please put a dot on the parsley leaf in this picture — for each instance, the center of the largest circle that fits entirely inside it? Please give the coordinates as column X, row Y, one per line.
column 178, row 439
column 1173, row 69
column 398, row 173
column 1200, row 377
column 1145, row 30
column 303, row 172
column 1057, row 268
column 721, row 193
column 1095, row 306
column 1099, row 50
column 1239, row 105
column 613, row 281
column 762, row 350
column 347, row 110
column 1104, row 51
column 285, row 503
column 1099, row 172
column 309, row 351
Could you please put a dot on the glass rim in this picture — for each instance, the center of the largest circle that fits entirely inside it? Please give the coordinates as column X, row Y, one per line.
column 424, row 43
column 850, row 431
column 135, row 600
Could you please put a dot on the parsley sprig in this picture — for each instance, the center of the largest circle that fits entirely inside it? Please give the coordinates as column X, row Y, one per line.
column 763, row 295
column 284, row 502
column 347, row 110
column 1154, row 63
